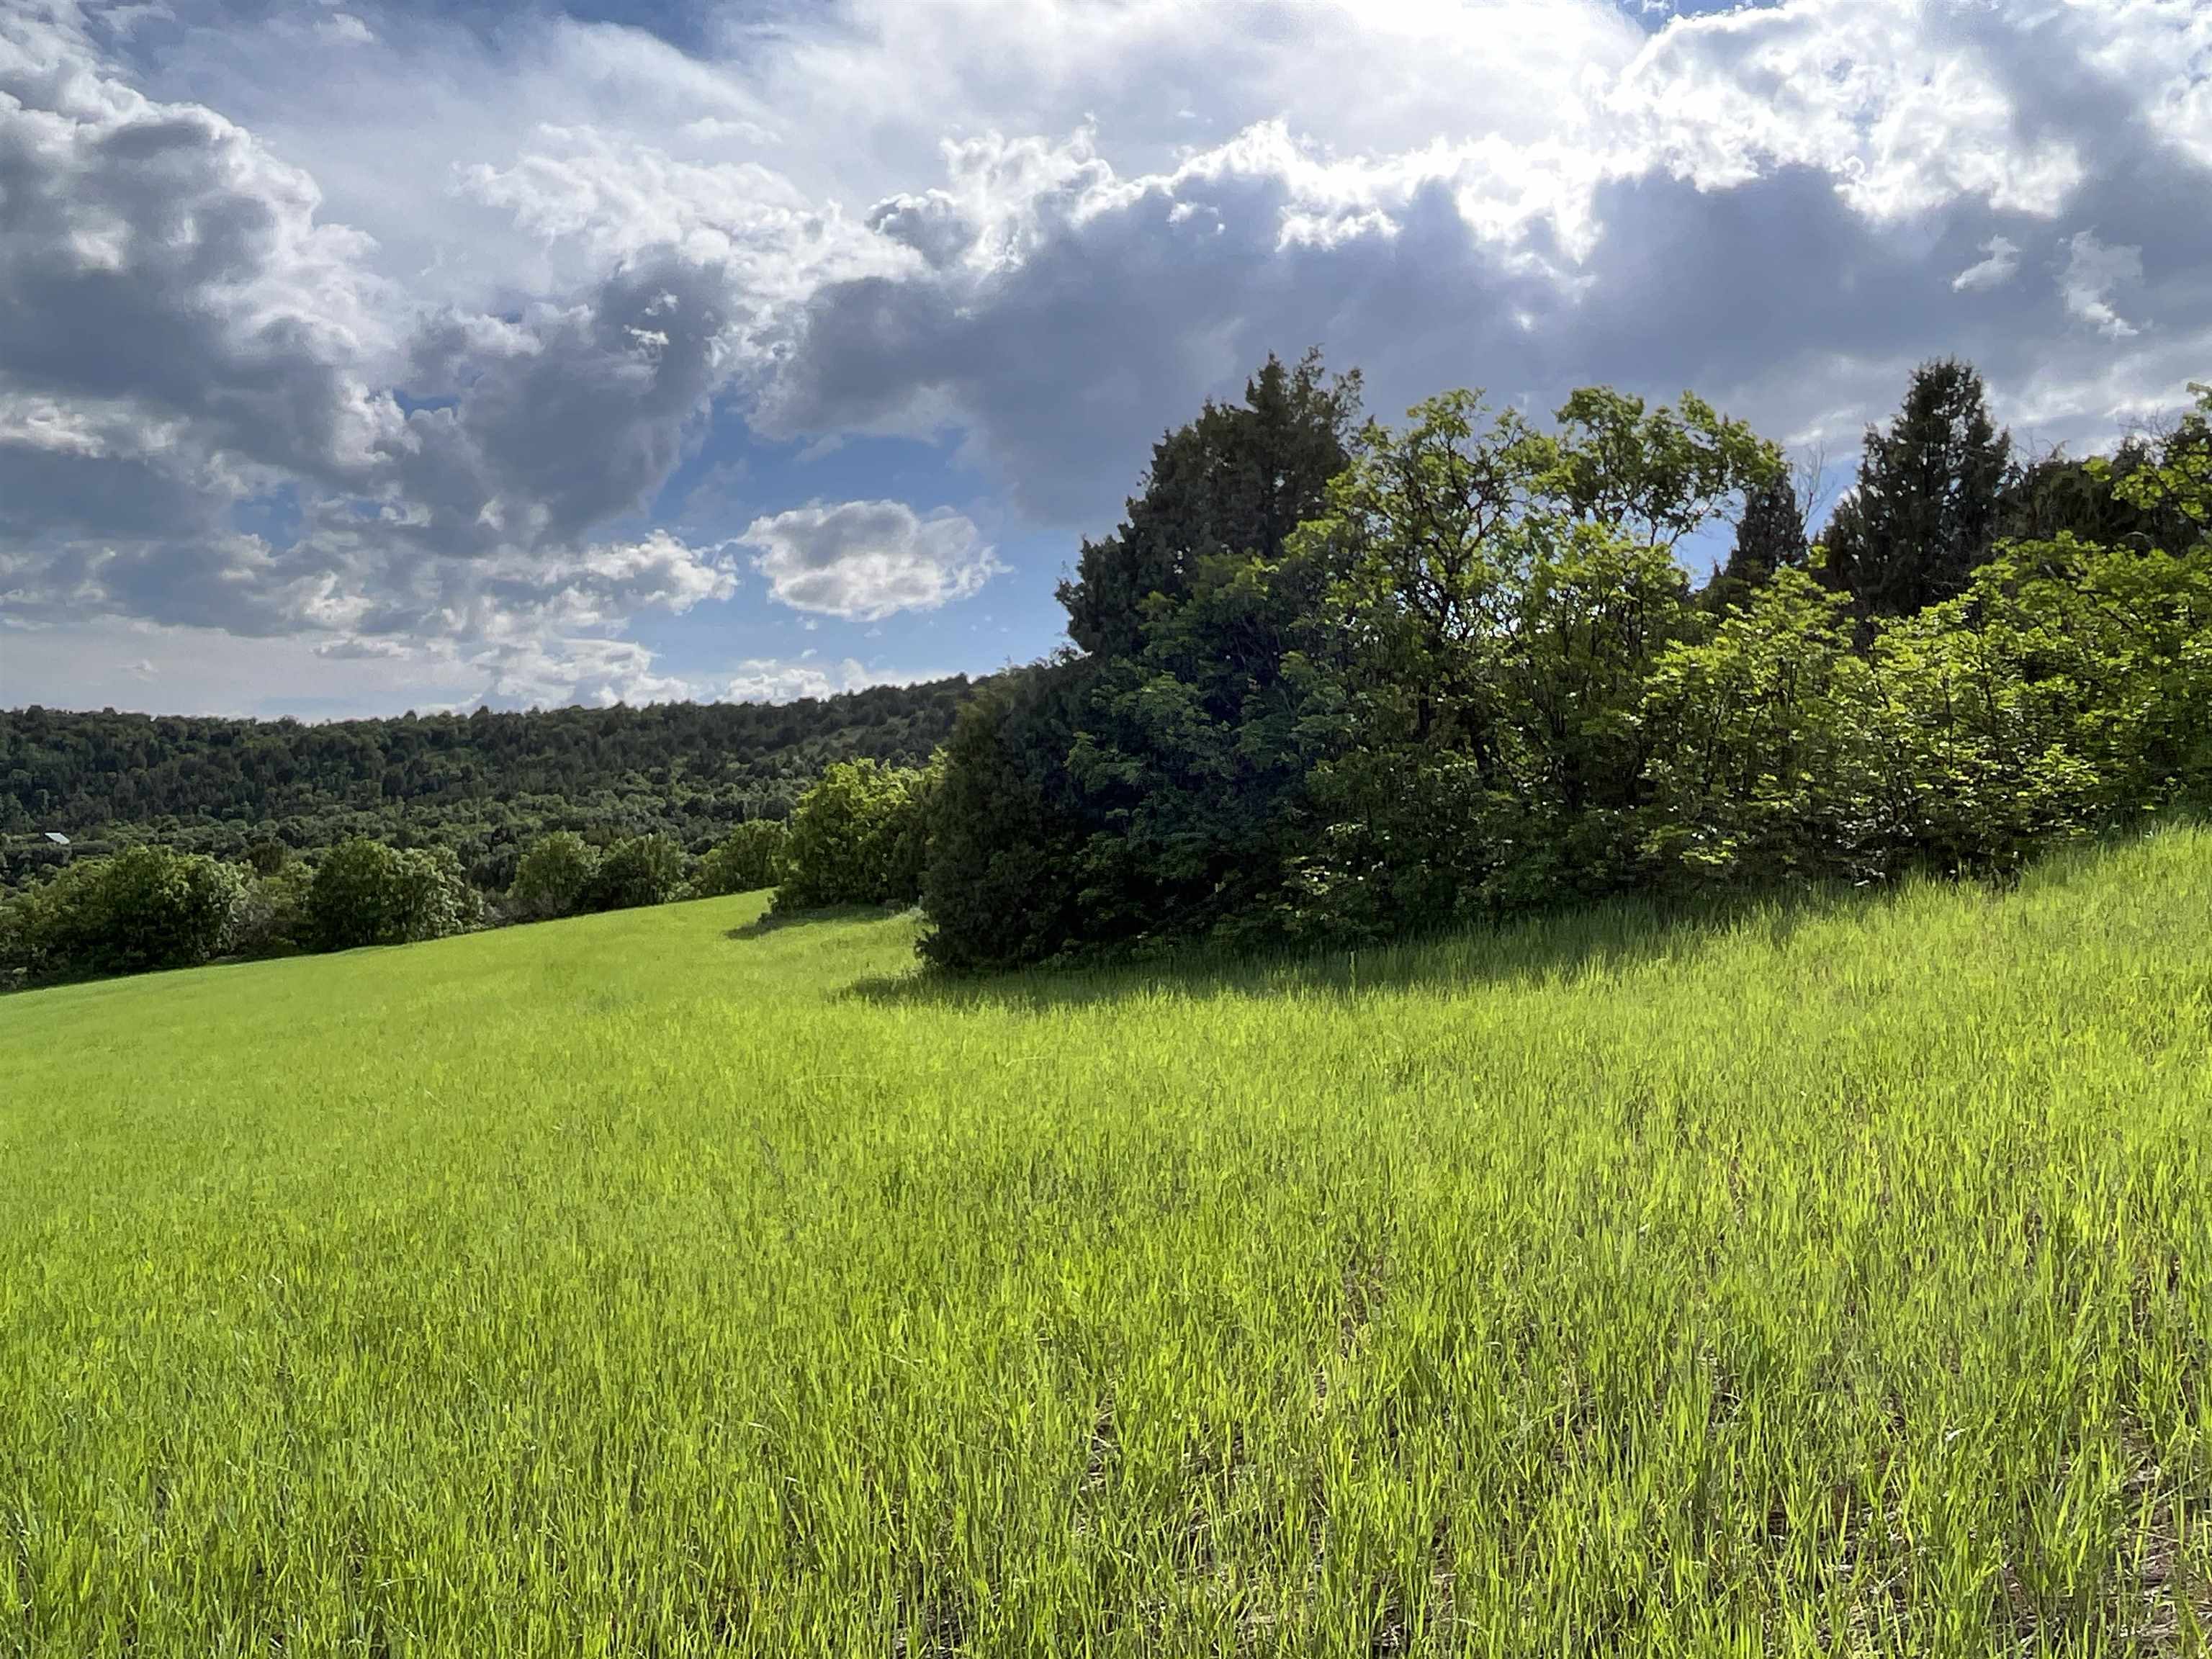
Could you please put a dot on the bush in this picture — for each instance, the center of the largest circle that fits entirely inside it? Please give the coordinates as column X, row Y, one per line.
column 749, row 859
column 1002, row 872
column 642, row 870
column 143, row 909
column 553, row 876
column 367, row 893
column 272, row 915
column 859, row 836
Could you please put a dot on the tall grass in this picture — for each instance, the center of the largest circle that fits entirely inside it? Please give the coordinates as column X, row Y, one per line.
column 1833, row 1281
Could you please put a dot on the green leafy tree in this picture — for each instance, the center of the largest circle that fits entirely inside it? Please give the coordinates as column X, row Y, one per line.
column 145, row 907
column 266, row 855
column 1766, row 765
column 272, row 915
column 553, row 876
column 852, row 839
column 1926, row 512
column 747, row 860
column 639, row 870
column 367, row 893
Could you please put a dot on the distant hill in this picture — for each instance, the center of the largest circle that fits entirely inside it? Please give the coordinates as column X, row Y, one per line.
column 484, row 784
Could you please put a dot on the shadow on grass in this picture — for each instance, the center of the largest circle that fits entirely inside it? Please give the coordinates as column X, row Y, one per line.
column 1602, row 939
column 768, row 922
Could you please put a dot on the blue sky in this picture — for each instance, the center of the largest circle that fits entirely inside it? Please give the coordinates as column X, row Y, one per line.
column 364, row 357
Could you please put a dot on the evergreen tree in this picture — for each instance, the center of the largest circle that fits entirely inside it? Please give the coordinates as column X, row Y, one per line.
column 1238, row 479
column 1926, row 510
column 1769, row 537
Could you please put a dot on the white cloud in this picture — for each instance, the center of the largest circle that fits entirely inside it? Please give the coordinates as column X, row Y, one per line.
column 2001, row 265
column 2093, row 272
column 865, row 560
column 772, row 680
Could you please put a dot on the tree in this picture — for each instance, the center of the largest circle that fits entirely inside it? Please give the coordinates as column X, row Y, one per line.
column 1926, row 510
column 1769, row 538
column 1237, row 479
column 747, row 860
column 1002, row 886
column 639, row 870
column 146, row 907
column 552, row 876
column 367, row 893
column 853, row 838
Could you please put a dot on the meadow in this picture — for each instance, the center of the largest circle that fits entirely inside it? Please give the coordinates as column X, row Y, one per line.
column 1831, row 1278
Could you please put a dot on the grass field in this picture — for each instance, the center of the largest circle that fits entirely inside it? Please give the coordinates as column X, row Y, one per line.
column 1833, row 1281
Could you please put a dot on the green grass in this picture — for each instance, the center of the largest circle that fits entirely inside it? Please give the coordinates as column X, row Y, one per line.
column 1832, row 1281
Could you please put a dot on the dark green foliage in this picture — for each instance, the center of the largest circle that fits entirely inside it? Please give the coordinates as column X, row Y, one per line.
column 1002, row 886
column 550, row 879
column 1931, row 491
column 1237, row 480
column 367, row 893
column 272, row 917
column 638, row 871
column 147, row 908
column 747, row 860
column 266, row 856
column 1769, row 537
column 485, row 785
column 859, row 836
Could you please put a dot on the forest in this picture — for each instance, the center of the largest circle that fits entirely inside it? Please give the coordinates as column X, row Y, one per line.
column 481, row 786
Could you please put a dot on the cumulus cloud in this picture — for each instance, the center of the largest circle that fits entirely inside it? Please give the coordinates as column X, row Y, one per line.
column 769, row 680
column 1999, row 268
column 2093, row 272
column 865, row 560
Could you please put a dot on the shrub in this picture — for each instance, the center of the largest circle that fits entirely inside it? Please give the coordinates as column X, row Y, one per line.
column 143, row 909
column 367, row 893
column 1002, row 872
column 267, row 855
column 642, row 870
column 750, row 858
column 859, row 836
column 553, row 876
column 272, row 914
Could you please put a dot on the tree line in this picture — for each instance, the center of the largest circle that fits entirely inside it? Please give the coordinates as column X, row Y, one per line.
column 482, row 786
column 1337, row 680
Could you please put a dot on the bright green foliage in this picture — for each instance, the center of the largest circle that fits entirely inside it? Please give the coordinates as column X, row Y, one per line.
column 1764, row 762
column 143, row 909
column 747, row 860
column 859, row 836
column 639, row 870
column 1821, row 1280
column 367, row 893
column 551, row 877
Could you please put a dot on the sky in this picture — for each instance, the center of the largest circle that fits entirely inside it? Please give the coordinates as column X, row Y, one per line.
column 357, row 357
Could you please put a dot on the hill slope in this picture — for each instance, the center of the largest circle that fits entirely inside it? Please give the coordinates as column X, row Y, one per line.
column 656, row 1283
column 480, row 783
